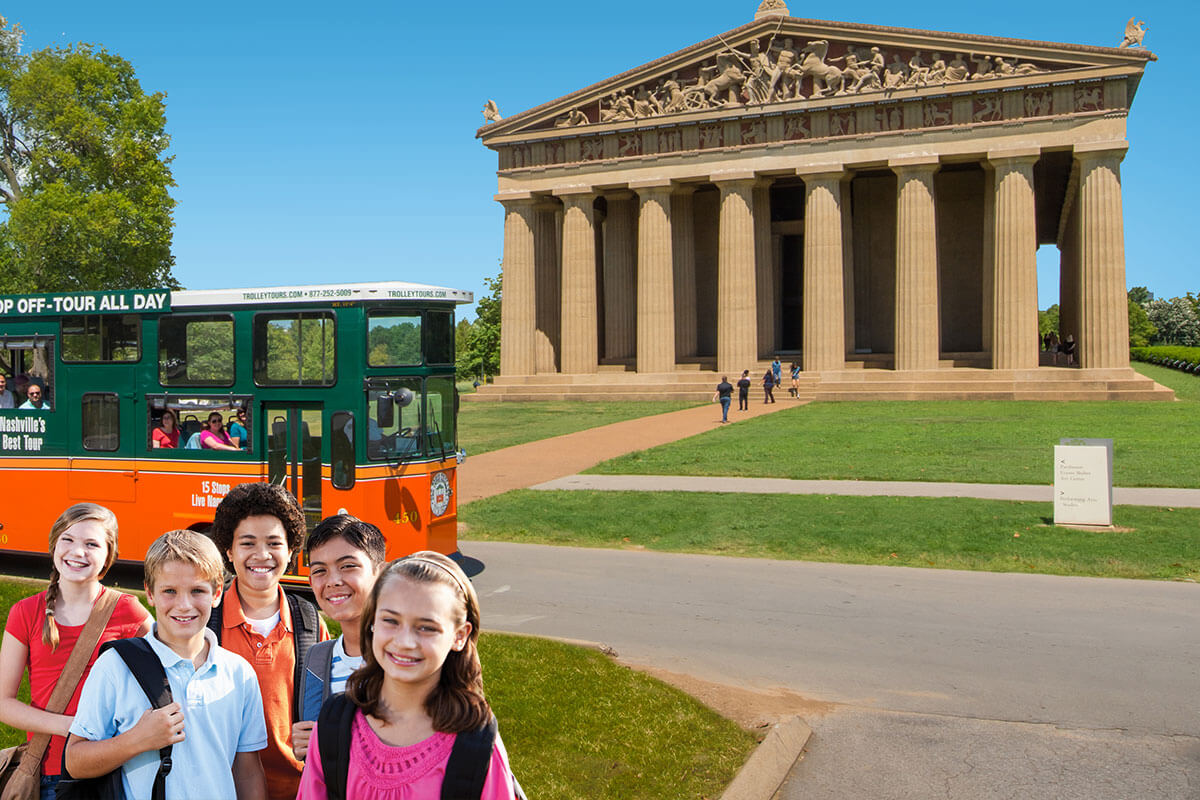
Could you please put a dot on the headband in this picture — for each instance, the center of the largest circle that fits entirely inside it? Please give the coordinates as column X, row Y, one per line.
column 443, row 568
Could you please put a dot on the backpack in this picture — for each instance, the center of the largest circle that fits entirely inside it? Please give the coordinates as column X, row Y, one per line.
column 466, row 770
column 148, row 670
column 315, row 680
column 306, row 630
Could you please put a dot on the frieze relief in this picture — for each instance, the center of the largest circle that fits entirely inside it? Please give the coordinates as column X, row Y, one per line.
column 780, row 69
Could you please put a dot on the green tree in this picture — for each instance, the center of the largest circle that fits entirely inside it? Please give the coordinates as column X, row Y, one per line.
column 1048, row 321
column 83, row 175
column 479, row 352
column 1176, row 322
column 1141, row 331
column 1140, row 295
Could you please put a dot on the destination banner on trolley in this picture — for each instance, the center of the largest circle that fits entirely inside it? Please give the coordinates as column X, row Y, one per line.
column 118, row 302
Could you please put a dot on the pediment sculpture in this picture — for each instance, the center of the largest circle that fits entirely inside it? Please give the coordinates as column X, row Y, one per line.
column 1135, row 31
column 779, row 69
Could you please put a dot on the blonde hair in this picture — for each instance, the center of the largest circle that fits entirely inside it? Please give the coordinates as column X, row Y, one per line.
column 187, row 547
column 457, row 703
column 77, row 513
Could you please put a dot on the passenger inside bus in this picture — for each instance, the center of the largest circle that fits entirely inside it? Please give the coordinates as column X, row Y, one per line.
column 167, row 435
column 215, row 437
column 239, row 430
column 34, row 400
column 6, row 396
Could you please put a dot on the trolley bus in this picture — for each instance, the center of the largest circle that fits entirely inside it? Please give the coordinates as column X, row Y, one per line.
column 344, row 394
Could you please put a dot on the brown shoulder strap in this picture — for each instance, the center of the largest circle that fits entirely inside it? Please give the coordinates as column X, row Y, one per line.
column 68, row 679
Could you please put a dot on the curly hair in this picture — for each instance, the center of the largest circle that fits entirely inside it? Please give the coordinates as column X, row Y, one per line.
column 457, row 703
column 254, row 500
column 75, row 514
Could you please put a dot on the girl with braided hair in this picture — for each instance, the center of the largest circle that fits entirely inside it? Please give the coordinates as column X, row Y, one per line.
column 42, row 629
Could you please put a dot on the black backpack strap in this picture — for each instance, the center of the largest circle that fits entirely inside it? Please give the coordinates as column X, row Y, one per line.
column 148, row 670
column 470, row 758
column 334, row 730
column 306, row 631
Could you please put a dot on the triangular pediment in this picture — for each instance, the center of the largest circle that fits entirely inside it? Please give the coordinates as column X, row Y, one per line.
column 785, row 64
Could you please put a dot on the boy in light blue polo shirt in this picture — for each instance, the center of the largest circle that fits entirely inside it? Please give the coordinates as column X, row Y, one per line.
column 215, row 724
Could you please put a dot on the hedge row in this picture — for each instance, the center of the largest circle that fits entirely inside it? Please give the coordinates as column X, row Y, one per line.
column 1184, row 358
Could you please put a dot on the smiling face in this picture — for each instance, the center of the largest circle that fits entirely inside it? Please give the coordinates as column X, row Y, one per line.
column 81, row 552
column 341, row 576
column 168, row 421
column 34, row 393
column 215, row 424
column 416, row 626
column 182, row 600
column 260, row 552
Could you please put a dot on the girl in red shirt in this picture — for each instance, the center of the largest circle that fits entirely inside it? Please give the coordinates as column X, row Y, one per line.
column 42, row 629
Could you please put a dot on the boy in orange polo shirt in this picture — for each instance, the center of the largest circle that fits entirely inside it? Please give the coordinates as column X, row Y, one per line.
column 258, row 528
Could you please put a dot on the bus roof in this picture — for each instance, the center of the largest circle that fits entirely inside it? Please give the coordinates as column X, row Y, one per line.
column 343, row 292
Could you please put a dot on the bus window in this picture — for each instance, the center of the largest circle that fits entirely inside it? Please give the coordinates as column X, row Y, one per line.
column 295, row 349
column 341, row 445
column 192, row 415
column 393, row 339
column 439, row 416
column 101, row 338
column 394, row 420
column 195, row 350
column 28, row 360
column 101, row 421
column 439, row 337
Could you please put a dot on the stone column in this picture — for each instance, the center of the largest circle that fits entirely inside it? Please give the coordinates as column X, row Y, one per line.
column 683, row 252
column 917, row 340
column 1103, row 338
column 765, row 294
column 1014, row 261
column 847, row 265
column 737, row 326
column 546, row 260
column 655, row 279
column 620, row 261
column 579, row 334
column 824, row 265
column 518, row 313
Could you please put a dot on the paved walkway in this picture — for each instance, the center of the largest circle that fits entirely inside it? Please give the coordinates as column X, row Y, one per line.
column 524, row 465
column 1174, row 498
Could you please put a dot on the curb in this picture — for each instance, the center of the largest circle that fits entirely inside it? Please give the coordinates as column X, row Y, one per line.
column 764, row 772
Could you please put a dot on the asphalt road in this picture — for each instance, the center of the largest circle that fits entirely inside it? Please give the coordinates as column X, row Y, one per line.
column 946, row 684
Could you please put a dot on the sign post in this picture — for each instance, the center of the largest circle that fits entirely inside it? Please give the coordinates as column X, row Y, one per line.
column 1083, row 482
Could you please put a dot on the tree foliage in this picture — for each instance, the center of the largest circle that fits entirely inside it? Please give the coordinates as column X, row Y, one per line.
column 478, row 346
column 1140, row 295
column 1141, row 331
column 1048, row 321
column 83, row 176
column 1175, row 320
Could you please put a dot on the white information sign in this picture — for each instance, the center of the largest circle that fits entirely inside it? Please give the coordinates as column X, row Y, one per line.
column 1083, row 483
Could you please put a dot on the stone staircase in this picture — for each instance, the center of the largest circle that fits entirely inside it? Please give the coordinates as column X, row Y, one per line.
column 866, row 379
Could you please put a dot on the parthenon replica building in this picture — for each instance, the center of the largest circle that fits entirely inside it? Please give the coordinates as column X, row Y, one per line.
column 864, row 201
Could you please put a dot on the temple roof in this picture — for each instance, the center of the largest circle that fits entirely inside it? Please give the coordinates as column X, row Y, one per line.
column 690, row 75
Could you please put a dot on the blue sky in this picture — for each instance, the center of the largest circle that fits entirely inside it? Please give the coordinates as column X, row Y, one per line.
column 319, row 142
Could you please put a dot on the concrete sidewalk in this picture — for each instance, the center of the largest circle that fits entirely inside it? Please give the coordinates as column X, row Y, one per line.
column 1173, row 498
column 524, row 465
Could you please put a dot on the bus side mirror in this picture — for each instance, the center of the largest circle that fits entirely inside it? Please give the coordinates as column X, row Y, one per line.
column 384, row 413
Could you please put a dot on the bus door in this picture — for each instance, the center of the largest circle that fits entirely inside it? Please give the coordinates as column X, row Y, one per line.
column 106, row 430
column 293, row 447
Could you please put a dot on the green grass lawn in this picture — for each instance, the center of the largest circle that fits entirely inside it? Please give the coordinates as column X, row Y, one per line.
column 576, row 725
column 483, row 427
column 1154, row 444
column 949, row 533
